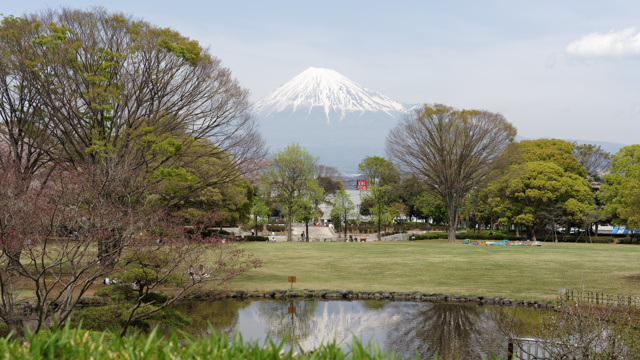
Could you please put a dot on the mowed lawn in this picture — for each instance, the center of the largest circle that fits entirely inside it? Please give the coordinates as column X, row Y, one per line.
column 449, row 268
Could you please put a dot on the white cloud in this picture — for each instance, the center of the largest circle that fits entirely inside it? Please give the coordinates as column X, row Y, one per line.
column 620, row 44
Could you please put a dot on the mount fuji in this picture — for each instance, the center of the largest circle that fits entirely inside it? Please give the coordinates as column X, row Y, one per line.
column 332, row 117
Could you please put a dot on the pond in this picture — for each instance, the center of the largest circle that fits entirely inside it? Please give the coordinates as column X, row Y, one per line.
column 465, row 331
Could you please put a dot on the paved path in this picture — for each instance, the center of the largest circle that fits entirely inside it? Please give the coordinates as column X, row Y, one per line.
column 317, row 233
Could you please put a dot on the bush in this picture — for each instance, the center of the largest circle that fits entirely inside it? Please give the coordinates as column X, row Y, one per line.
column 431, row 236
column 628, row 240
column 121, row 300
column 117, row 293
column 256, row 238
column 276, row 228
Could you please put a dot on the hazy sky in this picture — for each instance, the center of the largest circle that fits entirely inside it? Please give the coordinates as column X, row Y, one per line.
column 567, row 69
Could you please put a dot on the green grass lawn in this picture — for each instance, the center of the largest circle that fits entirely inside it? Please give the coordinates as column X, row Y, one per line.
column 450, row 268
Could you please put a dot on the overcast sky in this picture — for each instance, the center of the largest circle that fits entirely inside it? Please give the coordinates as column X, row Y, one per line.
column 567, row 69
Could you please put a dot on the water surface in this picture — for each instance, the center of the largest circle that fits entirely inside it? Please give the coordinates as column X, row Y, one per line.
column 464, row 331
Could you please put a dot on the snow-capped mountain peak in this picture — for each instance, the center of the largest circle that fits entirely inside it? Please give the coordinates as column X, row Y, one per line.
column 328, row 91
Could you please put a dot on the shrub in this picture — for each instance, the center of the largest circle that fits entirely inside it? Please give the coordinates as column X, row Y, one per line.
column 276, row 228
column 256, row 238
column 117, row 293
column 431, row 236
column 121, row 300
column 628, row 240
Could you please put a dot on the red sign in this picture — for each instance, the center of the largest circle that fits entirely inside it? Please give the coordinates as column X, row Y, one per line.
column 362, row 184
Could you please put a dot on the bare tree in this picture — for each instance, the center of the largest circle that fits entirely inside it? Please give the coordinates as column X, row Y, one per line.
column 593, row 157
column 24, row 136
column 58, row 239
column 574, row 330
column 178, row 260
column 451, row 151
column 49, row 233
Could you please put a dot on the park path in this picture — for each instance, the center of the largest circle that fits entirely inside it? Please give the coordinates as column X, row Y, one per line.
column 317, row 233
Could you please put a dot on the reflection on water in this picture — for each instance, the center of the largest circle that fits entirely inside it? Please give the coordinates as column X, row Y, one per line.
column 448, row 330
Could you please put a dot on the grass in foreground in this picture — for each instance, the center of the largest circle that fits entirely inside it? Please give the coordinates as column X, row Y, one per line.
column 450, row 268
column 81, row 344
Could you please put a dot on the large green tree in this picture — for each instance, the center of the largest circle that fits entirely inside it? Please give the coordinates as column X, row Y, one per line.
column 535, row 194
column 290, row 178
column 452, row 151
column 621, row 187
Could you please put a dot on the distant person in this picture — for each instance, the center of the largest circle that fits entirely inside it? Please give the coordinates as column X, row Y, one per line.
column 413, row 237
column 350, row 238
column 273, row 236
column 302, row 236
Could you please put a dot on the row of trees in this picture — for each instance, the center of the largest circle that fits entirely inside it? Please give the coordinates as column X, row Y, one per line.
column 108, row 125
column 462, row 164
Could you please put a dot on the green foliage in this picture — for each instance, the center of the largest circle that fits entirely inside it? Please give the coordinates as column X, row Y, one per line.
column 70, row 343
column 559, row 152
column 189, row 50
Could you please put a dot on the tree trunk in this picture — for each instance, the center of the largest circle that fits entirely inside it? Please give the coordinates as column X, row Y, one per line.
column 255, row 225
column 452, row 216
column 345, row 225
column 307, row 230
column 289, row 221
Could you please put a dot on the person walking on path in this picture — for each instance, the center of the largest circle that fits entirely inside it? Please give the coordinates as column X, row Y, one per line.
column 302, row 235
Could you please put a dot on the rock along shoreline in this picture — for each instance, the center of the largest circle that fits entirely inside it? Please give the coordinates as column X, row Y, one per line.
column 369, row 295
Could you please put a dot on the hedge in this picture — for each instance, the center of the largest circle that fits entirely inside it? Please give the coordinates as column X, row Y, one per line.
column 628, row 240
column 256, row 238
column 276, row 228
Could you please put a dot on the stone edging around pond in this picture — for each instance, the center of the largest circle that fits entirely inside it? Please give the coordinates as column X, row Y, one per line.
column 370, row 295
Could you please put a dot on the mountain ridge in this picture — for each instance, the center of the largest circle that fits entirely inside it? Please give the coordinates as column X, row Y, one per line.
column 336, row 119
column 329, row 90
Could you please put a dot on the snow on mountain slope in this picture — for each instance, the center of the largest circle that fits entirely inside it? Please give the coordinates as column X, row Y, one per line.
column 326, row 91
